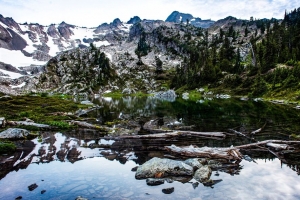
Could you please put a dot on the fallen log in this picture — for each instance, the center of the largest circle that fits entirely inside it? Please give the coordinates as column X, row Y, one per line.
column 232, row 153
column 241, row 134
column 88, row 125
column 258, row 130
column 26, row 123
column 206, row 152
column 278, row 146
column 176, row 134
column 253, row 145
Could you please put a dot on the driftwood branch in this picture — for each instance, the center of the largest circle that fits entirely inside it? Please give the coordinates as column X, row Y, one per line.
column 88, row 125
column 27, row 123
column 233, row 153
column 206, row 152
column 258, row 130
column 215, row 135
column 263, row 143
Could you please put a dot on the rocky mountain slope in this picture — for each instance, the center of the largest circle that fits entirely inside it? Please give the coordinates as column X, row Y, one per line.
column 142, row 53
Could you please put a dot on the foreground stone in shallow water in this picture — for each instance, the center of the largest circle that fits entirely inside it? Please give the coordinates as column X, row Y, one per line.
column 14, row 133
column 163, row 168
column 202, row 174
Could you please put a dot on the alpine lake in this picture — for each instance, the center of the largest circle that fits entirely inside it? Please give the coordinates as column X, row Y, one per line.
column 82, row 162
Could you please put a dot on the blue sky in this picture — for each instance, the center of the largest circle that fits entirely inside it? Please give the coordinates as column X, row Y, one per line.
column 92, row 13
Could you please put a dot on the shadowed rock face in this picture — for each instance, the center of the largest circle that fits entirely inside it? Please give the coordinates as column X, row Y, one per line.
column 134, row 20
column 52, row 31
column 177, row 17
column 8, row 21
column 65, row 31
column 11, row 40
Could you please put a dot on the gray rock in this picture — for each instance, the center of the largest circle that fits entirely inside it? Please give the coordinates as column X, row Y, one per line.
column 202, row 174
column 86, row 103
column 155, row 181
column 194, row 162
column 165, row 167
column 214, row 164
column 14, row 133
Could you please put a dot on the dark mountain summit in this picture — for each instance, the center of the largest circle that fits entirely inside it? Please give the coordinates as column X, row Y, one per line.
column 177, row 17
column 134, row 20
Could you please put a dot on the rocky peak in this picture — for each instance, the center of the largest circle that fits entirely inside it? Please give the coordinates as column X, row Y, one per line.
column 117, row 22
column 64, row 30
column 177, row 17
column 52, row 31
column 10, row 22
column 134, row 20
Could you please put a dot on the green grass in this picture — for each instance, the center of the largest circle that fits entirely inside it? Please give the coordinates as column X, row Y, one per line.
column 7, row 147
column 39, row 109
column 59, row 124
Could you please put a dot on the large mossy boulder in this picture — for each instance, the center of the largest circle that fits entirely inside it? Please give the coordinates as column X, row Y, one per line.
column 158, row 168
column 14, row 133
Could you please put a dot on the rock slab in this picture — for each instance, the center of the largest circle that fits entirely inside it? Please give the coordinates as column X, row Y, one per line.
column 14, row 133
column 163, row 167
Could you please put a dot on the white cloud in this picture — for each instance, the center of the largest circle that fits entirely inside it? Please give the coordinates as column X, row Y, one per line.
column 94, row 12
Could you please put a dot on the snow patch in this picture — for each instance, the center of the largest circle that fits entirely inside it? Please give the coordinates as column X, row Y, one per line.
column 17, row 58
column 109, row 56
column 11, row 75
column 18, row 86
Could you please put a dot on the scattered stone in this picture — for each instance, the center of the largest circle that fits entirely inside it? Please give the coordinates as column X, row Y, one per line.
column 155, row 181
column 14, row 133
column 168, row 190
column 19, row 197
column 86, row 103
column 202, row 174
column 134, row 169
column 43, row 191
column 195, row 185
column 32, row 187
column 210, row 183
column 185, row 96
column 165, row 166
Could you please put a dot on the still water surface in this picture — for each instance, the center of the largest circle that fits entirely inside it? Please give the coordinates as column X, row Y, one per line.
column 67, row 165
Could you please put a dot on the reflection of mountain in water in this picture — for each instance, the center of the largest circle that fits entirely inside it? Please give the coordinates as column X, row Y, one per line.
column 75, row 146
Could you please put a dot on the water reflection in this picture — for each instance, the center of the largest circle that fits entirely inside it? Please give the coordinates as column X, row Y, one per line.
column 84, row 163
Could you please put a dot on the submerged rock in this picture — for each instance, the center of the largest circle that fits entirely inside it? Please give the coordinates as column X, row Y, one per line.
column 155, row 181
column 134, row 169
column 164, row 167
column 202, row 174
column 14, row 133
column 32, row 187
column 168, row 190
